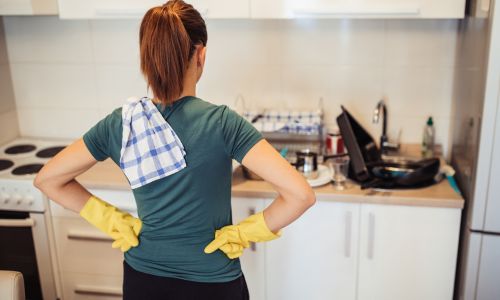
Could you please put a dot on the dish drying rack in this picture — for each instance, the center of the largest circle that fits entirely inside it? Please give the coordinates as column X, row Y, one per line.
column 291, row 129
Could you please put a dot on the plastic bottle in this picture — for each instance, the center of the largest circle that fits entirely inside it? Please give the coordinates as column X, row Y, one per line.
column 428, row 139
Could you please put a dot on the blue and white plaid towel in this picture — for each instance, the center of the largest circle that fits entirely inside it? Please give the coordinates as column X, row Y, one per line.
column 150, row 148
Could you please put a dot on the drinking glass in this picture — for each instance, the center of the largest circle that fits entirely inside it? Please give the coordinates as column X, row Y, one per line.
column 339, row 168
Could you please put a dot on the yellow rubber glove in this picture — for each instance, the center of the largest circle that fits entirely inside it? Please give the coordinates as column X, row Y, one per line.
column 119, row 225
column 233, row 239
column 122, row 241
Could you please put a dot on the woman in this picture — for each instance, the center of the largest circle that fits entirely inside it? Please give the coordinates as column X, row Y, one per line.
column 183, row 245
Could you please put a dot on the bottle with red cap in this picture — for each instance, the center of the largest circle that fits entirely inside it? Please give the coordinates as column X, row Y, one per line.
column 334, row 142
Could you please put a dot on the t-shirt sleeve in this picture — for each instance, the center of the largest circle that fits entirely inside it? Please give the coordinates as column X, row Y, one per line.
column 97, row 139
column 239, row 135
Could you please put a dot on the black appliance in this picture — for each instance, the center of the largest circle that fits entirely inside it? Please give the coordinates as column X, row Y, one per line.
column 369, row 169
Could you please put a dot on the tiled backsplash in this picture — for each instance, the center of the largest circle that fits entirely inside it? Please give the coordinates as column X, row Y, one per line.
column 69, row 74
column 9, row 128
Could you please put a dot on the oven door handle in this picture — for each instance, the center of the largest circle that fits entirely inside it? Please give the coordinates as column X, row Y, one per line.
column 28, row 222
column 89, row 236
column 98, row 290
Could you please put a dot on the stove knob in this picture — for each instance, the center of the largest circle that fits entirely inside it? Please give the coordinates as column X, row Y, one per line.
column 29, row 199
column 17, row 199
column 5, row 198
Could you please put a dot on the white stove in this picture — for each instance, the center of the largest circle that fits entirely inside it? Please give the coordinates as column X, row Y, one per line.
column 20, row 161
column 24, row 215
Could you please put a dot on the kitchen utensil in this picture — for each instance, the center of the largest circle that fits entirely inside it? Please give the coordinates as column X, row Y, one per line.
column 307, row 163
column 339, row 167
column 324, row 176
column 256, row 118
column 334, row 143
column 369, row 169
column 284, row 152
column 403, row 174
column 360, row 145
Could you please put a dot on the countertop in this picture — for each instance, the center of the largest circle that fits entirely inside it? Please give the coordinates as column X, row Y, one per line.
column 107, row 175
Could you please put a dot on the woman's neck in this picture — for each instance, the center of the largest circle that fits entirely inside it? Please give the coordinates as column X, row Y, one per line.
column 189, row 90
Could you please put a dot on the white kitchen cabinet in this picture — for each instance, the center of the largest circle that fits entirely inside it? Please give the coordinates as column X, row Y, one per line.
column 357, row 9
column 89, row 268
column 253, row 258
column 222, row 9
column 407, row 252
column 364, row 251
column 28, row 7
column 82, row 248
column 316, row 257
column 94, row 9
column 80, row 286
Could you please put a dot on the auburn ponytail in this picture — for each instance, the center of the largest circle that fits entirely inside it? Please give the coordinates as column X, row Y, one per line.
column 168, row 37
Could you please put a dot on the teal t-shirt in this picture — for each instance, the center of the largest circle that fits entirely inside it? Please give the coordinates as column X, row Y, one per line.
column 181, row 212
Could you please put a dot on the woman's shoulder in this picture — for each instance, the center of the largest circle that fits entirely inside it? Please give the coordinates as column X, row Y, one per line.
column 114, row 117
column 203, row 104
column 207, row 108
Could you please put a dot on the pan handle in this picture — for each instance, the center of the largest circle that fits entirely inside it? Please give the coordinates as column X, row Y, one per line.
column 327, row 157
column 370, row 184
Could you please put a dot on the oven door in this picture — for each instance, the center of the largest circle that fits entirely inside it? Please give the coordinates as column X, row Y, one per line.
column 25, row 249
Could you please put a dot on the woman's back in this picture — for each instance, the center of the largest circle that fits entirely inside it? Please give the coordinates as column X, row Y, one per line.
column 182, row 246
column 181, row 212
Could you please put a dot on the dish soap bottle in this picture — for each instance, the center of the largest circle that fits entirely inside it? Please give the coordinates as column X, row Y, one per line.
column 428, row 139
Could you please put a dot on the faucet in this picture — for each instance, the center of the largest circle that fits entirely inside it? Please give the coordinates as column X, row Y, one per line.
column 376, row 117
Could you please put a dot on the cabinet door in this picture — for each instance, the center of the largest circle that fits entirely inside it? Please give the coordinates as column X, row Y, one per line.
column 407, row 252
column 358, row 9
column 316, row 256
column 81, row 286
column 81, row 248
column 77, row 9
column 222, row 9
column 252, row 260
column 28, row 7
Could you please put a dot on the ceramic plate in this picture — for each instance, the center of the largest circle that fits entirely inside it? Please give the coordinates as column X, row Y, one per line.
column 324, row 176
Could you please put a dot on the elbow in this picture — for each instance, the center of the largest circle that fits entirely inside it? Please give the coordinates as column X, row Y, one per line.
column 306, row 198
column 310, row 198
column 38, row 182
column 302, row 198
column 41, row 181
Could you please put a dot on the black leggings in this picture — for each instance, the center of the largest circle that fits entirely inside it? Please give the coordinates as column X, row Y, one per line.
column 142, row 286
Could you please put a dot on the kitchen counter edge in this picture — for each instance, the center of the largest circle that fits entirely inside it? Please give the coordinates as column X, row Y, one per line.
column 107, row 175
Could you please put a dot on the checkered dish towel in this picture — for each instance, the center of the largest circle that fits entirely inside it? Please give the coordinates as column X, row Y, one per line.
column 150, row 148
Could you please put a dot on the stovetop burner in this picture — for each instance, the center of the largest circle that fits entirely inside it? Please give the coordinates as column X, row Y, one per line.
column 18, row 149
column 27, row 169
column 5, row 164
column 49, row 152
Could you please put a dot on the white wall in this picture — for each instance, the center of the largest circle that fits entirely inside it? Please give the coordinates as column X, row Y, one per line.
column 69, row 74
column 9, row 128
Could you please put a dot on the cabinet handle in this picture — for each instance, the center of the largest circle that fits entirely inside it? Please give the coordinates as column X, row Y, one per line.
column 371, row 235
column 29, row 222
column 348, row 233
column 98, row 291
column 251, row 211
column 354, row 11
column 88, row 236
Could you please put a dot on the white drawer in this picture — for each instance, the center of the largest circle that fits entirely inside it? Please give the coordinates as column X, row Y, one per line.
column 83, row 248
column 77, row 286
column 124, row 200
